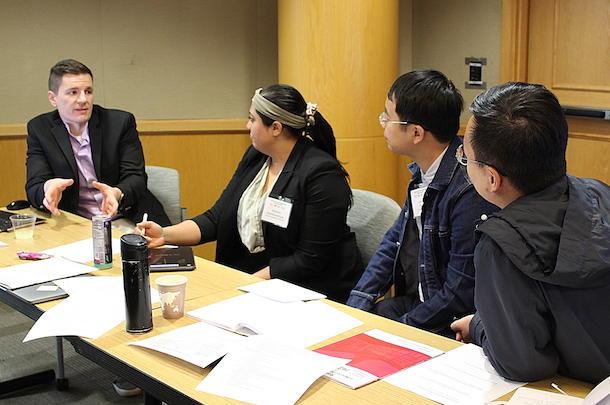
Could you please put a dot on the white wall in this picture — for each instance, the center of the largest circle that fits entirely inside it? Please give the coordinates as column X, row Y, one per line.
column 158, row 59
column 203, row 59
column 445, row 32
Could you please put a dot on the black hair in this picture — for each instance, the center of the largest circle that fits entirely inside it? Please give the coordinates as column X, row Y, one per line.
column 66, row 67
column 521, row 130
column 289, row 98
column 428, row 98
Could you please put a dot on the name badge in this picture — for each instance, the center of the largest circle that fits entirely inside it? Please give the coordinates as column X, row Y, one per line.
column 417, row 200
column 277, row 211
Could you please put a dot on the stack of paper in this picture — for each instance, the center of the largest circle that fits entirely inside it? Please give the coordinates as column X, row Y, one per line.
column 39, row 271
column 301, row 323
column 600, row 395
column 459, row 377
column 375, row 354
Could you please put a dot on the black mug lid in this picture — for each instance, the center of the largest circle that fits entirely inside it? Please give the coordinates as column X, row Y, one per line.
column 133, row 247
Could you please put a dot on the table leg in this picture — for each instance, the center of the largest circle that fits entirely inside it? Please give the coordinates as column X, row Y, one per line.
column 62, row 382
column 26, row 382
column 150, row 400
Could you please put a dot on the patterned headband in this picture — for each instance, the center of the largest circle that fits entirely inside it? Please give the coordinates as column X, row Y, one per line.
column 273, row 111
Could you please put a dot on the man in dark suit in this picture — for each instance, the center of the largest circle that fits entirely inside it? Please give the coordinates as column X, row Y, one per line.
column 86, row 159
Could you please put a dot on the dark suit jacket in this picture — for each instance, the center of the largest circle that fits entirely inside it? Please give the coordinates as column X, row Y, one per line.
column 317, row 250
column 117, row 157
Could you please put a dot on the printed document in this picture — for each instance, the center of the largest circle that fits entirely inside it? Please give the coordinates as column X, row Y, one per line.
column 262, row 370
column 40, row 271
column 301, row 323
column 280, row 290
column 461, row 376
column 95, row 306
column 200, row 344
column 81, row 251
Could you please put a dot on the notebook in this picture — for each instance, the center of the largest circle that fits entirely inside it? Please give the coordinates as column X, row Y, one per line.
column 179, row 258
column 42, row 292
column 5, row 222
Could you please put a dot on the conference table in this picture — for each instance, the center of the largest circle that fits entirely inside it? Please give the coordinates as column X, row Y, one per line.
column 171, row 380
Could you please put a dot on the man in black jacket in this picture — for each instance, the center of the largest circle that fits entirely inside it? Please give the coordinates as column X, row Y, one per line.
column 542, row 262
column 86, row 159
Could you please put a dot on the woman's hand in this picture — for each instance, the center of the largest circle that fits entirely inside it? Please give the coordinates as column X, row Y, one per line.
column 152, row 232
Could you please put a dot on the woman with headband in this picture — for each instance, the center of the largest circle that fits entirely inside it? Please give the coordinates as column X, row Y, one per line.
column 283, row 213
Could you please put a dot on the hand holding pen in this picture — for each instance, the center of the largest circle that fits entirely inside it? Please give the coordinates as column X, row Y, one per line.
column 151, row 231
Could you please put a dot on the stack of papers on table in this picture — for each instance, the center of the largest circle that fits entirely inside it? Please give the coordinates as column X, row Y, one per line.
column 255, row 369
column 600, row 395
column 265, row 362
column 67, row 262
column 301, row 323
column 375, row 354
column 95, row 305
column 81, row 251
column 40, row 271
column 461, row 376
column 280, row 290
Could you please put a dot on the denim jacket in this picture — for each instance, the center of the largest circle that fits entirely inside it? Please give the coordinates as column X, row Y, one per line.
column 446, row 271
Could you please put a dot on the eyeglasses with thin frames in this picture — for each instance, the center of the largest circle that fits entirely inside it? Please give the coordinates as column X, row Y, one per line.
column 383, row 120
column 461, row 157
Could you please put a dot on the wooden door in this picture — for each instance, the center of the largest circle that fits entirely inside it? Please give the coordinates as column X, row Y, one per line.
column 565, row 45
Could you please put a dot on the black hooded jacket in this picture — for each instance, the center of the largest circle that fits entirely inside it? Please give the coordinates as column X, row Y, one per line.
column 543, row 284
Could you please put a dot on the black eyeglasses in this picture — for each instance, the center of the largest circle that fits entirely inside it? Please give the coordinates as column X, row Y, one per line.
column 461, row 157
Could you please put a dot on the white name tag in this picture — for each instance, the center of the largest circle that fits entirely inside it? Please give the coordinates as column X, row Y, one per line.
column 276, row 212
column 417, row 200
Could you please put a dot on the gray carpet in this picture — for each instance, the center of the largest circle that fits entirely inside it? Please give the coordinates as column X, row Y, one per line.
column 89, row 383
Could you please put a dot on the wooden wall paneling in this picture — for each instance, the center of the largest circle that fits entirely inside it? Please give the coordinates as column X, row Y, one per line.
column 12, row 168
column 566, row 46
column 205, row 153
column 589, row 148
column 569, row 50
column 370, row 164
column 515, row 30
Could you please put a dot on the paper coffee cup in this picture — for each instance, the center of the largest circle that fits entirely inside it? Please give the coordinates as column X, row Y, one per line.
column 172, row 291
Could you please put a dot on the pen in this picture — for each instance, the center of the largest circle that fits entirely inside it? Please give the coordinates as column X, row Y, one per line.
column 145, row 217
column 558, row 389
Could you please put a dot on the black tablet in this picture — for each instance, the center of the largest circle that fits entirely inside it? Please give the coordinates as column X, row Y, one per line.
column 178, row 258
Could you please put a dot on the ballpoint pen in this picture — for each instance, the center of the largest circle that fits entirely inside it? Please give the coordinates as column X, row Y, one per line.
column 558, row 389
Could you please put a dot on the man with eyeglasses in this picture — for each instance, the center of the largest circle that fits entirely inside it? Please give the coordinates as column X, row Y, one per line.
column 543, row 261
column 427, row 254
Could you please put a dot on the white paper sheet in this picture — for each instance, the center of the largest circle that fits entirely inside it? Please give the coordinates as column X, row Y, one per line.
column 600, row 394
column 283, row 291
column 302, row 323
column 261, row 370
column 81, row 251
column 40, row 271
column 95, row 306
column 200, row 343
column 530, row 396
column 461, row 376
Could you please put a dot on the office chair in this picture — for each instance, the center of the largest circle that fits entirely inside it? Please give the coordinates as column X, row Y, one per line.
column 370, row 217
column 164, row 183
